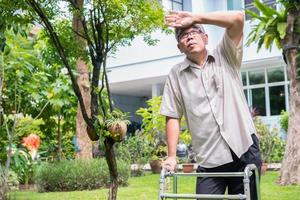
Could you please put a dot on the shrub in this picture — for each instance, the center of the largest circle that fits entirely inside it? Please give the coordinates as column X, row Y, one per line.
column 13, row 182
column 284, row 120
column 78, row 175
column 135, row 149
column 271, row 145
column 154, row 125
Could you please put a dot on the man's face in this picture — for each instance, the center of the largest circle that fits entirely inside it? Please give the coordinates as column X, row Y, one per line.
column 192, row 41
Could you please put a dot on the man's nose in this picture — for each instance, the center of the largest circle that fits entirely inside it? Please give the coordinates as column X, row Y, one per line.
column 190, row 37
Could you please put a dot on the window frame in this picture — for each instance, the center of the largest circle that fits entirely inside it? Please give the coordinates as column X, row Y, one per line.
column 251, row 5
column 266, row 87
column 179, row 2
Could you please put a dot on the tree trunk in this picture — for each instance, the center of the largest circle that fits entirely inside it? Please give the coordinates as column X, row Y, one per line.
column 112, row 166
column 83, row 141
column 290, row 169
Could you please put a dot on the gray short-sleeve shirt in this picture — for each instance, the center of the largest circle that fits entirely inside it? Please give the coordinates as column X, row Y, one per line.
column 212, row 100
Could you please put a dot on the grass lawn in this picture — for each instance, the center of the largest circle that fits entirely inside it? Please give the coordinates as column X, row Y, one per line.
column 146, row 188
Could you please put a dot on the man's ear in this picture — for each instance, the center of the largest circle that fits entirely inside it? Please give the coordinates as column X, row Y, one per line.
column 179, row 47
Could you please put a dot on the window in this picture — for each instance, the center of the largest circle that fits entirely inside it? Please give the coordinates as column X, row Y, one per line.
column 244, row 78
column 256, row 77
column 271, row 3
column 275, row 75
column 250, row 6
column 258, row 100
column 176, row 5
column 277, row 99
column 266, row 89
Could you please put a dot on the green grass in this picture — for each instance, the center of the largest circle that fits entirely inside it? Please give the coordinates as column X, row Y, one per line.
column 146, row 188
column 271, row 191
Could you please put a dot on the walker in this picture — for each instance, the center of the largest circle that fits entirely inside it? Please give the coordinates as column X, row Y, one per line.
column 250, row 170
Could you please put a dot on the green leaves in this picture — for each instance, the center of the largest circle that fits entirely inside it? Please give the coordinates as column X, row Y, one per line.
column 271, row 26
column 281, row 28
column 153, row 122
column 264, row 9
column 12, row 18
column 126, row 19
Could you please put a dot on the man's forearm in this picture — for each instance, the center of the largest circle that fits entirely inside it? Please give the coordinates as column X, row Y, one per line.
column 226, row 19
column 233, row 21
column 172, row 129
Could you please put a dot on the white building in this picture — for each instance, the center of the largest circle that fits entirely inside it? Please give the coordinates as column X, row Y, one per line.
column 138, row 72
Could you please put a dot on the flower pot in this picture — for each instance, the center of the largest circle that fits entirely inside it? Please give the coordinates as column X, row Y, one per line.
column 188, row 167
column 118, row 131
column 155, row 166
column 263, row 168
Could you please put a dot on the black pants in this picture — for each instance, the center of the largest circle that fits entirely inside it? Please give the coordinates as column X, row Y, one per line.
column 234, row 185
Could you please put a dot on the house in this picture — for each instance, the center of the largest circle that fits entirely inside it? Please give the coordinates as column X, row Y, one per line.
column 138, row 72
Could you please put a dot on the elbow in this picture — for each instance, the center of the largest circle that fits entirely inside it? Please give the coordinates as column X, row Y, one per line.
column 240, row 17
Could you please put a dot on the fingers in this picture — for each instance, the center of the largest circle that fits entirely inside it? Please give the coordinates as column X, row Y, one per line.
column 169, row 167
column 173, row 22
column 169, row 164
column 178, row 19
column 172, row 18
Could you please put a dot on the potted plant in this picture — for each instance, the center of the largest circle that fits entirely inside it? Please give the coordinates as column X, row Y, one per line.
column 117, row 125
column 158, row 155
column 188, row 165
column 154, row 131
column 154, row 126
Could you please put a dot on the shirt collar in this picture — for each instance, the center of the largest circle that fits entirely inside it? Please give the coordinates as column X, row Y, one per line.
column 188, row 63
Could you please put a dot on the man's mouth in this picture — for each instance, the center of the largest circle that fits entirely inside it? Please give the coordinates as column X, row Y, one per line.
column 190, row 45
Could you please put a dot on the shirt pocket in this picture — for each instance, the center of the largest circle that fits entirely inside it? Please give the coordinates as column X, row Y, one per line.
column 213, row 86
column 218, row 84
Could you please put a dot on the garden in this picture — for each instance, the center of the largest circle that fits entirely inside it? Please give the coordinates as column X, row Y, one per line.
column 42, row 178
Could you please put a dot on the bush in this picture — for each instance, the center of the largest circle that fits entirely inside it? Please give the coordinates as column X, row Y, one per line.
column 13, row 182
column 271, row 145
column 284, row 120
column 78, row 175
column 134, row 149
column 154, row 125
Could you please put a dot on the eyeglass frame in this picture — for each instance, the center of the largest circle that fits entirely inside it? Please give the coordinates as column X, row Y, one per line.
column 185, row 35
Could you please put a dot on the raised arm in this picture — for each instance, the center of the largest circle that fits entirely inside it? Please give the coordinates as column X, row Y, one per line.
column 172, row 129
column 233, row 21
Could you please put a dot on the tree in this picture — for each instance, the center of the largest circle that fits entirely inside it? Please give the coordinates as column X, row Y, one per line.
column 9, row 20
column 28, row 90
column 82, row 139
column 106, row 24
column 283, row 28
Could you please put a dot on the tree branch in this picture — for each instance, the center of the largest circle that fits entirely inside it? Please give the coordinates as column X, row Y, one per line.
column 92, row 24
column 53, row 36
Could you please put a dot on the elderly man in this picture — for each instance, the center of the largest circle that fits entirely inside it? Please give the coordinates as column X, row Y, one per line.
column 207, row 90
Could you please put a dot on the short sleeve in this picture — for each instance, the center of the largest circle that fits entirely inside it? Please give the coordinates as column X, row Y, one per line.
column 233, row 53
column 171, row 105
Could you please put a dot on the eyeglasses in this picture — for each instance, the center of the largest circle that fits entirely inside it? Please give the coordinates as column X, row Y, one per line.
column 184, row 36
